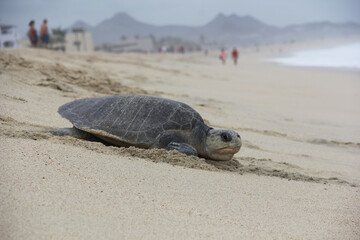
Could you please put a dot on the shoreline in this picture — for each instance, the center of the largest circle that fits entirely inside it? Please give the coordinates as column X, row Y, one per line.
column 317, row 68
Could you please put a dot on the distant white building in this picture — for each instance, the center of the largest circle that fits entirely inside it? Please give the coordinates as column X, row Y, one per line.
column 79, row 42
column 144, row 45
column 8, row 36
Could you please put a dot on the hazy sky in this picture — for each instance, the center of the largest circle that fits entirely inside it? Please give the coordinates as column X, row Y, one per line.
column 188, row 12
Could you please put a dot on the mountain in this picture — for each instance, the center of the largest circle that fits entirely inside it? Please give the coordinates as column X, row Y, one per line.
column 234, row 29
column 321, row 30
column 234, row 23
column 223, row 29
column 121, row 24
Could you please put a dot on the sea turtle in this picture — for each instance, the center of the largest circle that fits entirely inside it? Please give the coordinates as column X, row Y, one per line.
column 148, row 122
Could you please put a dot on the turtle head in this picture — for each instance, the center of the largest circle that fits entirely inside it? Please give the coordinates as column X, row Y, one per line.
column 222, row 144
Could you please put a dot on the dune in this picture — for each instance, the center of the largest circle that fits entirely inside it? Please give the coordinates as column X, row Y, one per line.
column 297, row 175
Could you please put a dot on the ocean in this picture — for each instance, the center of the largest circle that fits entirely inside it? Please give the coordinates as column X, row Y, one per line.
column 346, row 56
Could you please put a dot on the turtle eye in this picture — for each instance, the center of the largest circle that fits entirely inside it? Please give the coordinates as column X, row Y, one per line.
column 226, row 137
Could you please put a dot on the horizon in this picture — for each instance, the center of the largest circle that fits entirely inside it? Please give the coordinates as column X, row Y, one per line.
column 161, row 12
column 211, row 19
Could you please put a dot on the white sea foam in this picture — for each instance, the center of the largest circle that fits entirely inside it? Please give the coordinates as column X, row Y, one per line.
column 346, row 56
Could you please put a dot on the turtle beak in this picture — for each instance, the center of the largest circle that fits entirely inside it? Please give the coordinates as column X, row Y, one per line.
column 230, row 149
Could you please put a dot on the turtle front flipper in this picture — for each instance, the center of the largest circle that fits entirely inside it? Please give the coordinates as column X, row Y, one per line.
column 182, row 147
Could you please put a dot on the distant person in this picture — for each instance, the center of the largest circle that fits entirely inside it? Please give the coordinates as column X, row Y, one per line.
column 44, row 34
column 182, row 49
column 223, row 56
column 235, row 55
column 32, row 34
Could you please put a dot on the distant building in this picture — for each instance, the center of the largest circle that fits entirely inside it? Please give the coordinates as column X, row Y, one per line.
column 8, row 36
column 79, row 42
column 143, row 45
column 176, row 44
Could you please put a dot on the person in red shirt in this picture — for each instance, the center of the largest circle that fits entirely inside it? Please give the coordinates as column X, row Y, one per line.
column 235, row 55
column 32, row 34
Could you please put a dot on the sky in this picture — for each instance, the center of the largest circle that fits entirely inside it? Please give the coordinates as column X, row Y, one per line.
column 63, row 13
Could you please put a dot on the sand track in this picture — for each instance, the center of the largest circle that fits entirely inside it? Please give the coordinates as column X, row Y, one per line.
column 239, row 165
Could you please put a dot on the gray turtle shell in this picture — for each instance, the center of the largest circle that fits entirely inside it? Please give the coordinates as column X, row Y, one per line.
column 132, row 119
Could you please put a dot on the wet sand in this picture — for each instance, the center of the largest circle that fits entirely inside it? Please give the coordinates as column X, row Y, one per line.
column 297, row 175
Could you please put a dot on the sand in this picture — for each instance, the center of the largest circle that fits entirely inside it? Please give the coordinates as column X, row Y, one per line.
column 297, row 175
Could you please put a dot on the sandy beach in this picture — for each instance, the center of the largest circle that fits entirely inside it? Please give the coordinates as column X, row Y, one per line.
column 297, row 175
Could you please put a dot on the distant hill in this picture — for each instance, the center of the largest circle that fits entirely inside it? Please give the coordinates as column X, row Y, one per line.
column 223, row 29
column 235, row 29
column 121, row 24
column 320, row 30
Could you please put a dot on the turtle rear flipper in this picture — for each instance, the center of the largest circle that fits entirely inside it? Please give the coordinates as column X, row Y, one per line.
column 73, row 132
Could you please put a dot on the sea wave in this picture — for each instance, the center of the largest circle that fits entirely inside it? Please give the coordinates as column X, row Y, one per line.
column 346, row 56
